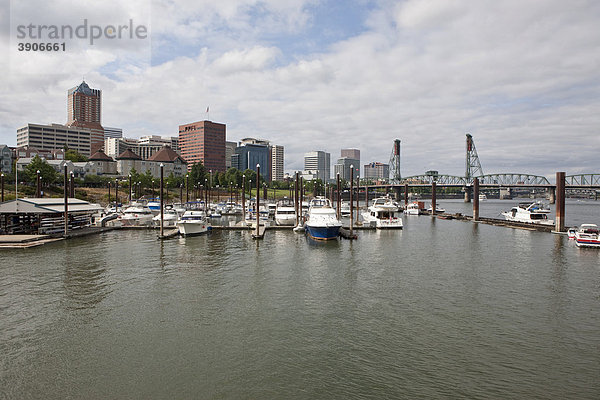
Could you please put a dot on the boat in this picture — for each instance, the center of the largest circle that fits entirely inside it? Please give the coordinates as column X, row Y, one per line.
column 588, row 235
column 531, row 213
column 170, row 217
column 271, row 207
column 438, row 210
column 571, row 232
column 382, row 214
column 193, row 222
column 414, row 208
column 482, row 197
column 322, row 223
column 154, row 205
column 136, row 215
column 345, row 209
column 285, row 213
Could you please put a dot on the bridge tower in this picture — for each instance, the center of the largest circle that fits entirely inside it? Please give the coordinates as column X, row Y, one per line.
column 395, row 176
column 473, row 164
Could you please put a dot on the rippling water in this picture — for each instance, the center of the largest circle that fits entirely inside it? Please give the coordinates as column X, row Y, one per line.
column 442, row 309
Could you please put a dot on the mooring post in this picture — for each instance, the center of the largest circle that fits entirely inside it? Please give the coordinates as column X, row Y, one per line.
column 116, row 195
column 338, row 198
column 296, row 199
column 302, row 190
column 66, row 204
column 560, row 202
column 2, row 184
column 351, row 199
column 357, row 197
column 257, row 200
column 244, row 197
column 476, row 199
column 433, row 198
column 161, row 199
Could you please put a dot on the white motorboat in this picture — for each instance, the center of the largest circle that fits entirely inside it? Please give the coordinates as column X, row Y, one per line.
column 413, row 208
column 170, row 217
column 271, row 207
column 531, row 213
column 482, row 197
column 571, row 232
column 345, row 209
column 154, row 206
column 383, row 214
column 193, row 222
column 322, row 223
column 285, row 213
column 438, row 210
column 588, row 235
column 136, row 215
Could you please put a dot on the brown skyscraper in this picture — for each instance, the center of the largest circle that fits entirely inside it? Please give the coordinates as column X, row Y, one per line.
column 203, row 141
column 84, row 110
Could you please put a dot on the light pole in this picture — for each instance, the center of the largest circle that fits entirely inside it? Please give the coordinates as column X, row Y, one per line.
column 187, row 188
column 129, row 188
column 38, row 189
column 72, row 184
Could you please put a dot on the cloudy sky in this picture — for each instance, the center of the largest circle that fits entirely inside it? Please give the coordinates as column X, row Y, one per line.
column 522, row 77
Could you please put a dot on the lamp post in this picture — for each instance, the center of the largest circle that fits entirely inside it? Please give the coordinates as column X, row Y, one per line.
column 161, row 197
column 244, row 196
column 218, row 194
column 72, row 184
column 2, row 184
column 116, row 195
column 206, row 196
column 38, row 189
column 129, row 188
column 187, row 188
column 351, row 199
column 152, row 188
column 139, row 191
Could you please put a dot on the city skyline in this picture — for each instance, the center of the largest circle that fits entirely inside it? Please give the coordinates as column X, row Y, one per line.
column 427, row 72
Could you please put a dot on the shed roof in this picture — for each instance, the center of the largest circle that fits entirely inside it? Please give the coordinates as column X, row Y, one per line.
column 47, row 206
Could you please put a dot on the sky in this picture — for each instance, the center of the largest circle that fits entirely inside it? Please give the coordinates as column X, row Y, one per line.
column 522, row 77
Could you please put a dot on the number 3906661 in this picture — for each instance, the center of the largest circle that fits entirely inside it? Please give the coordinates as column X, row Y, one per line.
column 41, row 46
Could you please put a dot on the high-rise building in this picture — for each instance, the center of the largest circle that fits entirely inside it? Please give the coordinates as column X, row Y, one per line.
column 84, row 110
column 203, row 141
column 319, row 162
column 377, row 170
column 229, row 151
column 277, row 162
column 343, row 167
column 112, row 132
column 251, row 152
column 350, row 153
column 55, row 136
column 5, row 158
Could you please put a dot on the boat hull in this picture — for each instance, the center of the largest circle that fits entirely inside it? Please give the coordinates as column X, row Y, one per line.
column 581, row 242
column 192, row 228
column 323, row 232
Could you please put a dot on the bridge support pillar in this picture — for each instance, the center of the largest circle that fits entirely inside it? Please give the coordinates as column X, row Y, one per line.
column 560, row 202
column 476, row 199
column 467, row 194
column 433, row 198
column 397, row 192
column 405, row 195
column 552, row 193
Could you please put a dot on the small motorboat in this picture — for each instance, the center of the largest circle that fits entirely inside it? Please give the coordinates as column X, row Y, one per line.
column 588, row 235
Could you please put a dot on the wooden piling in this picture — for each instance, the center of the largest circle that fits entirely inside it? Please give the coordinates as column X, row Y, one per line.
column 257, row 234
column 243, row 197
column 161, row 200
column 433, row 198
column 66, row 203
column 338, row 197
column 476, row 199
column 560, row 202
column 2, row 184
column 351, row 198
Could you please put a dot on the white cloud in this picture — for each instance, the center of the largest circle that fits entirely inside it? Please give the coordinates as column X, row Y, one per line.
column 521, row 77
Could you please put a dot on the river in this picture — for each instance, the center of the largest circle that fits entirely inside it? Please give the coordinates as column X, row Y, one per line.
column 441, row 309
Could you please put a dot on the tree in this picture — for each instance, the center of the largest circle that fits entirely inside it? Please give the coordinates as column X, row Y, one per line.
column 197, row 173
column 75, row 156
column 47, row 172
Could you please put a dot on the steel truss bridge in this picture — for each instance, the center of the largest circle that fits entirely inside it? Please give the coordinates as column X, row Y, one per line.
column 473, row 170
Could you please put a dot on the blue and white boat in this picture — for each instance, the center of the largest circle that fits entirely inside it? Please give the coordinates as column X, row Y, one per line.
column 154, row 206
column 322, row 223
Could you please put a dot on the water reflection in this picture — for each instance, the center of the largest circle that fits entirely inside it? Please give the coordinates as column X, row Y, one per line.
column 85, row 280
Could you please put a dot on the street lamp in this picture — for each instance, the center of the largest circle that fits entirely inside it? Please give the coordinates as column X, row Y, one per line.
column 38, row 189
column 187, row 188
column 129, row 188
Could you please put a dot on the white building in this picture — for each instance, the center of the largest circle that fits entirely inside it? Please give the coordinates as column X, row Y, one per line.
column 55, row 136
column 277, row 162
column 318, row 161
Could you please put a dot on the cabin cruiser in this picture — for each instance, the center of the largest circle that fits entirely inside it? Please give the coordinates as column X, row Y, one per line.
column 285, row 213
column 154, row 205
column 345, row 209
column 532, row 213
column 170, row 217
column 383, row 214
column 136, row 215
column 482, row 197
column 413, row 208
column 271, row 207
column 263, row 215
column 193, row 222
column 322, row 223
column 588, row 235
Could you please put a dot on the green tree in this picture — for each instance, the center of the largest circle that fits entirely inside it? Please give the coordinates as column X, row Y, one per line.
column 75, row 156
column 47, row 172
column 197, row 174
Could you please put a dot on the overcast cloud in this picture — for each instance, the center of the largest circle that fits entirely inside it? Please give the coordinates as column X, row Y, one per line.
column 522, row 77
